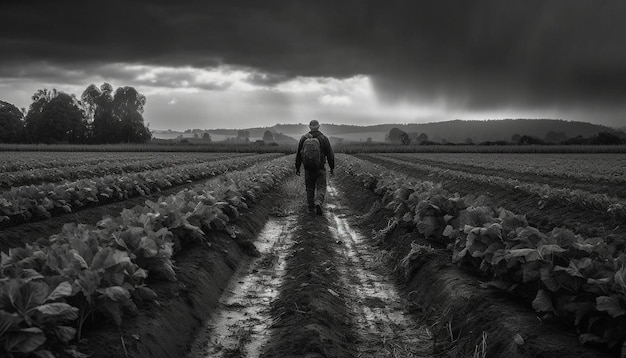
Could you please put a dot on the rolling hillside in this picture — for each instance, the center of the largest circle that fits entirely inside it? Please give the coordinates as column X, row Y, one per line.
column 456, row 131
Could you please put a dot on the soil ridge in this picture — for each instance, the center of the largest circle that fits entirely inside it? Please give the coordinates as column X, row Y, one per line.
column 459, row 309
column 596, row 186
column 590, row 223
column 29, row 232
column 311, row 316
column 167, row 327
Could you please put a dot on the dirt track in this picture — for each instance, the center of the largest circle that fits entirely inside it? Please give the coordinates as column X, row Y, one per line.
column 323, row 287
column 321, row 290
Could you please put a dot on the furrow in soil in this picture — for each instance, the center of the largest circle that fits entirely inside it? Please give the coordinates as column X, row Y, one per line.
column 382, row 321
column 240, row 327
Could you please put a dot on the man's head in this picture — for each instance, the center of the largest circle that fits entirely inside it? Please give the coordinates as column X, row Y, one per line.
column 314, row 125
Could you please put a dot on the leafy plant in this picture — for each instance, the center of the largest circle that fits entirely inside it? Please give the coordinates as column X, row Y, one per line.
column 581, row 281
column 102, row 269
column 30, row 202
column 32, row 320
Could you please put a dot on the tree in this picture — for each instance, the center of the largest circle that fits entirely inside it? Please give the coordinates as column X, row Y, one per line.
column 98, row 104
column 206, row 137
column 33, row 119
column 404, row 138
column 268, row 136
column 526, row 139
column 128, row 107
column 11, row 124
column 55, row 117
column 606, row 138
column 64, row 120
column 579, row 139
column 42, row 97
column 423, row 137
column 396, row 135
column 89, row 100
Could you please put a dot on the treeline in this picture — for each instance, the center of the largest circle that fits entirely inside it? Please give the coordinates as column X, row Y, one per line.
column 602, row 138
column 100, row 116
column 398, row 136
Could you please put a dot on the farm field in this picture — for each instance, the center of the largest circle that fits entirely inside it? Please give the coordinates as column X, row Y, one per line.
column 597, row 170
column 226, row 262
column 21, row 168
column 26, row 203
column 593, row 208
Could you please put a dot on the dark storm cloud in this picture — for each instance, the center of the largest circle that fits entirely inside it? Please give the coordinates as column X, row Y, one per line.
column 479, row 54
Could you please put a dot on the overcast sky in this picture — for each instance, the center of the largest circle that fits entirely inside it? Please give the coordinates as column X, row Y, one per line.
column 229, row 64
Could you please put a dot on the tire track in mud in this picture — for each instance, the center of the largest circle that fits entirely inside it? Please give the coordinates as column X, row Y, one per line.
column 311, row 318
column 336, row 302
column 382, row 322
column 317, row 290
column 240, row 326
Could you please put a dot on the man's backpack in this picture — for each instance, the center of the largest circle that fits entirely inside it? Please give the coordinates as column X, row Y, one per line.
column 311, row 153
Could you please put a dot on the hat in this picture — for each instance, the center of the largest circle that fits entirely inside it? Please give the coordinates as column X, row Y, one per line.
column 314, row 124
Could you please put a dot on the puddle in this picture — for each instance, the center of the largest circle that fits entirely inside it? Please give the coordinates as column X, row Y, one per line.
column 241, row 325
column 381, row 318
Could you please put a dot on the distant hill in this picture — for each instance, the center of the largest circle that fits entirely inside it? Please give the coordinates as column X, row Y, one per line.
column 456, row 131
column 491, row 130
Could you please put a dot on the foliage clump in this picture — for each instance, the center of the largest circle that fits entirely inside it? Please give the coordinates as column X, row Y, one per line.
column 579, row 281
column 49, row 289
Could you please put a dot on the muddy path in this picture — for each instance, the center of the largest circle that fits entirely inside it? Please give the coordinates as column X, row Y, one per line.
column 317, row 289
column 241, row 324
column 383, row 320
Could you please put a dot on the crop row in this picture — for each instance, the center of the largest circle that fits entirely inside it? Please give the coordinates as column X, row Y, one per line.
column 609, row 167
column 77, row 168
column 580, row 281
column 49, row 289
column 27, row 203
column 612, row 207
column 19, row 161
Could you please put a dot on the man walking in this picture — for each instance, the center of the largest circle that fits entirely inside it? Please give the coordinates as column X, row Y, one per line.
column 313, row 151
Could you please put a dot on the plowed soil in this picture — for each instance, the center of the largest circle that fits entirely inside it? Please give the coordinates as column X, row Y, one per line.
column 544, row 216
column 466, row 319
column 295, row 284
column 317, row 290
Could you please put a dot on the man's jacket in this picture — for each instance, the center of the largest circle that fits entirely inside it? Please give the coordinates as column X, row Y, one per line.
column 327, row 151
